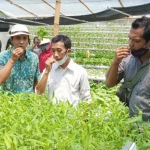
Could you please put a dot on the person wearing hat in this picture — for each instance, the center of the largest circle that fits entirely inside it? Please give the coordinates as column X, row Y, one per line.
column 46, row 52
column 43, row 50
column 64, row 79
column 19, row 67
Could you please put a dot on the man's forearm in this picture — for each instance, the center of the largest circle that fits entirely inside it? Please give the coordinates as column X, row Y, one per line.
column 40, row 88
column 5, row 71
column 112, row 75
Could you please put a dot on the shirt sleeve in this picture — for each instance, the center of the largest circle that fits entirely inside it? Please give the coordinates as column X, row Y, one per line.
column 121, row 67
column 48, row 80
column 121, row 71
column 84, row 86
column 3, row 60
column 37, row 74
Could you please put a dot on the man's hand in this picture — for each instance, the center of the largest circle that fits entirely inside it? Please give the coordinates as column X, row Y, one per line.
column 17, row 53
column 48, row 64
column 121, row 52
column 41, row 86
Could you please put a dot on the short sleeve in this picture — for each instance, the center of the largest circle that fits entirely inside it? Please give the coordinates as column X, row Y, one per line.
column 3, row 59
column 37, row 74
column 84, row 86
column 122, row 67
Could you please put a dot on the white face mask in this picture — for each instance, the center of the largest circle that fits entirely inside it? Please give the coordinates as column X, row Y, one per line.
column 61, row 62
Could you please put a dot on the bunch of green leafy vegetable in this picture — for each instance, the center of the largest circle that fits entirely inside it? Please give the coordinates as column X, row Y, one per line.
column 29, row 121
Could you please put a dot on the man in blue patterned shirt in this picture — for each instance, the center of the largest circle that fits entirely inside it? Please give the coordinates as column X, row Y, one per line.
column 19, row 70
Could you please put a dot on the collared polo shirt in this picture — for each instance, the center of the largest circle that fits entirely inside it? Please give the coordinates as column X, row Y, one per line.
column 140, row 98
column 69, row 84
column 23, row 73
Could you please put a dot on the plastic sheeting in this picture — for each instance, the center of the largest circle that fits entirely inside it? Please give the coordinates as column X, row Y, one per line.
column 41, row 12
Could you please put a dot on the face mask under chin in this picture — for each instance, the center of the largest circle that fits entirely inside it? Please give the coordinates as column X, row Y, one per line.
column 140, row 52
column 61, row 62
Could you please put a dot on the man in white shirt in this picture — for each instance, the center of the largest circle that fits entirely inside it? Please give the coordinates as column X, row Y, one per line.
column 64, row 79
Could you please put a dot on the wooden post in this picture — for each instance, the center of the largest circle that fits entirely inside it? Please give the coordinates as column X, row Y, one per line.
column 128, row 19
column 56, row 19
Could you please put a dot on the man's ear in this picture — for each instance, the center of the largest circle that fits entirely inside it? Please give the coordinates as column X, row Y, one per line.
column 69, row 51
column 29, row 40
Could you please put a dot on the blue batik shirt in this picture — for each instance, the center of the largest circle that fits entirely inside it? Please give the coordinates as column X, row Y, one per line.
column 23, row 74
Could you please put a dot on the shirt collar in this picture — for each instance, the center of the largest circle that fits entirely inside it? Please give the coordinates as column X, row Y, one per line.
column 70, row 65
column 137, row 59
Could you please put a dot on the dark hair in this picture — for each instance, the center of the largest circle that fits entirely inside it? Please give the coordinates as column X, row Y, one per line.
column 143, row 22
column 8, row 43
column 29, row 40
column 36, row 37
column 62, row 38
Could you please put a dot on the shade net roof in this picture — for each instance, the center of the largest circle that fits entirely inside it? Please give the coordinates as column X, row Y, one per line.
column 41, row 12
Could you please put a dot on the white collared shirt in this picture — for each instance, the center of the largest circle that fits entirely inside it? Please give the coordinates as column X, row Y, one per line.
column 69, row 84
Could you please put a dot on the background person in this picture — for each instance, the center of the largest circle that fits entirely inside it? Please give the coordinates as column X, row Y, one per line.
column 9, row 44
column 35, row 46
column 19, row 67
column 127, row 63
column 62, row 77
column 43, row 49
column 46, row 52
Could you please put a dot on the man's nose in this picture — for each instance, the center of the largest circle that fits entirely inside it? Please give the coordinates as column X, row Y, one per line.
column 130, row 43
column 21, row 41
column 55, row 54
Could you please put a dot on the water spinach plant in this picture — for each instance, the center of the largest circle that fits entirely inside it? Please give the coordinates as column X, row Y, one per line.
column 32, row 122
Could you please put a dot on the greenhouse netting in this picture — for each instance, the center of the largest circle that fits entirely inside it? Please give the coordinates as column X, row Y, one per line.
column 38, row 12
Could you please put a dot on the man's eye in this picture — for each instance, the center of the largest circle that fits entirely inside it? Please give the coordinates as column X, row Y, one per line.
column 59, row 50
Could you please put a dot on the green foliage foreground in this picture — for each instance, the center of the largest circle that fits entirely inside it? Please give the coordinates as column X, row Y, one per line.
column 30, row 122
